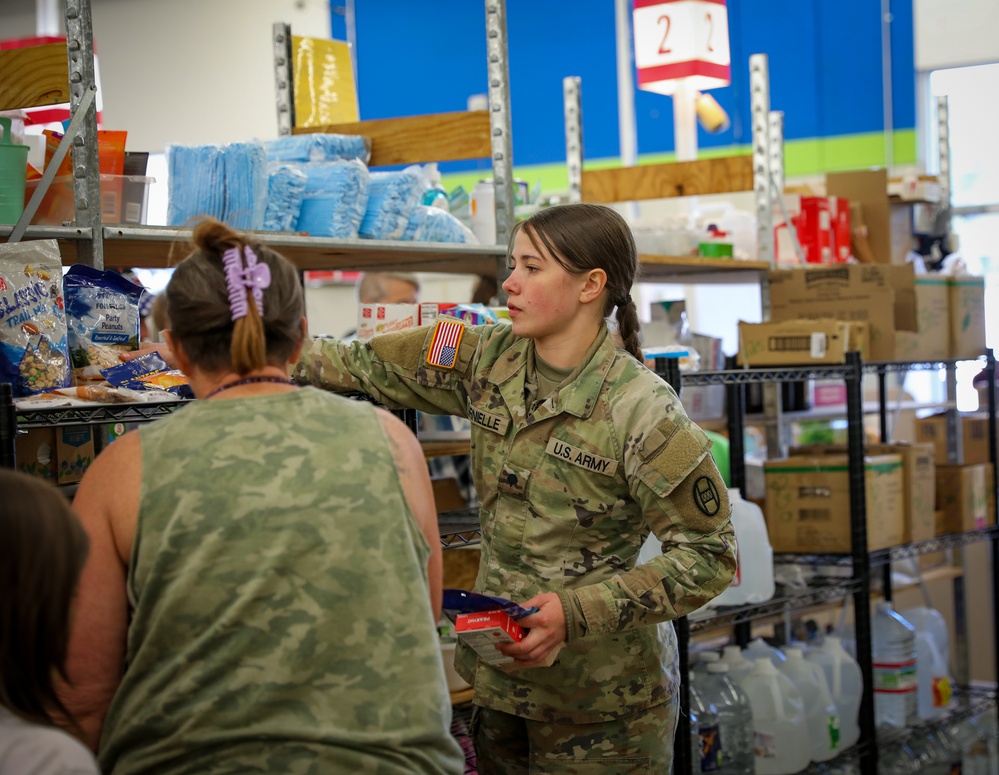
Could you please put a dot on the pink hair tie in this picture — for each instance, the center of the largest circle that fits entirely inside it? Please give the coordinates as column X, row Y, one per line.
column 255, row 276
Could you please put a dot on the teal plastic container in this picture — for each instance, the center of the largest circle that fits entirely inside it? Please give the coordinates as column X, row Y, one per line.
column 13, row 171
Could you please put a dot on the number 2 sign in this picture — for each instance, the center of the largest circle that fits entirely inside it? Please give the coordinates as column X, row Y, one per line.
column 677, row 39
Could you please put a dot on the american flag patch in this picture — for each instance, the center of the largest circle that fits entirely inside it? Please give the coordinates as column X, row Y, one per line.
column 444, row 344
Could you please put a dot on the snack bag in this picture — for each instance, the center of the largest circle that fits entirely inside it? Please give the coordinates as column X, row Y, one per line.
column 102, row 310
column 33, row 353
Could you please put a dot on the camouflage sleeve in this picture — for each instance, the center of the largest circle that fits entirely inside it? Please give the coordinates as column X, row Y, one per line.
column 685, row 502
column 392, row 369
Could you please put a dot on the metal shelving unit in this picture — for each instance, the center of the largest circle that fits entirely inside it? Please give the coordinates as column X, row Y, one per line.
column 861, row 562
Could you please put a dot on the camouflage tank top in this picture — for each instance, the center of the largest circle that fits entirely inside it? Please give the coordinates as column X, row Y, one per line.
column 281, row 620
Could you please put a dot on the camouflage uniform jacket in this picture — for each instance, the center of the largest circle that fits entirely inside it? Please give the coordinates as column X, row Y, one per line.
column 281, row 618
column 569, row 490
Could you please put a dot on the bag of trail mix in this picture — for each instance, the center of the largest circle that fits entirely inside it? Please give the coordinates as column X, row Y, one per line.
column 34, row 356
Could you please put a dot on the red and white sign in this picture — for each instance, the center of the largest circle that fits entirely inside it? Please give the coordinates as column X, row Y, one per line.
column 681, row 39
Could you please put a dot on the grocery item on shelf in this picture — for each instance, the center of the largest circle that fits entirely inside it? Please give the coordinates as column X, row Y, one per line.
column 780, row 729
column 285, row 191
column 846, row 685
column 754, row 577
column 13, row 171
column 897, row 759
column 934, row 692
column 102, row 316
column 483, row 207
column 820, row 709
column 228, row 182
column 318, row 146
column 707, row 743
column 739, row 666
column 701, row 659
column 893, row 652
column 433, row 224
column 760, row 649
column 935, row 753
column 34, row 355
column 392, row 199
column 335, row 198
column 735, row 717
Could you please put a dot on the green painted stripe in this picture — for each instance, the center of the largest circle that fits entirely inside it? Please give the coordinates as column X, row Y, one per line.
column 878, row 468
column 801, row 158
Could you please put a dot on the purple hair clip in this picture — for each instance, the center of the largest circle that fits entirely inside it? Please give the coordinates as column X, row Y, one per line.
column 255, row 276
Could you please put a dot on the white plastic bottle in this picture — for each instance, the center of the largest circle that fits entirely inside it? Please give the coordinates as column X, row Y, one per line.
column 893, row 653
column 930, row 620
column 705, row 658
column 484, row 212
column 738, row 665
column 707, row 751
column 760, row 649
column 820, row 709
column 780, row 729
column 435, row 195
column 735, row 719
column 754, row 576
column 846, row 685
column 934, row 685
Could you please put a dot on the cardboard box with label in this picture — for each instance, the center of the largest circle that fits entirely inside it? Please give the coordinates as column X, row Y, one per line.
column 884, row 226
column 36, row 453
column 483, row 631
column 882, row 296
column 967, row 317
column 808, row 503
column 931, row 342
column 963, row 498
column 74, row 452
column 800, row 342
column 974, row 436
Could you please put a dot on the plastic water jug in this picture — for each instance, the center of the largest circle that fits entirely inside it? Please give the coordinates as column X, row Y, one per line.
column 707, row 752
column 780, row 730
column 846, row 685
column 738, row 665
column 735, row 719
column 754, row 576
column 934, row 685
column 989, row 727
column 897, row 759
column 13, row 171
column 820, row 709
column 760, row 649
column 931, row 621
column 705, row 658
column 934, row 754
column 893, row 653
column 967, row 738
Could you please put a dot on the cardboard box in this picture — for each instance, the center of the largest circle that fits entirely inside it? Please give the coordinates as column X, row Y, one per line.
column 840, row 222
column 36, row 453
column 808, row 503
column 482, row 631
column 798, row 342
column 963, row 498
column 886, row 226
column 918, row 482
column 74, row 452
column 967, row 317
column 974, row 437
column 931, row 340
column 884, row 297
column 918, row 488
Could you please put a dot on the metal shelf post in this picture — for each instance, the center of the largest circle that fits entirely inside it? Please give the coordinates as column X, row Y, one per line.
column 861, row 558
column 498, row 69
column 8, row 427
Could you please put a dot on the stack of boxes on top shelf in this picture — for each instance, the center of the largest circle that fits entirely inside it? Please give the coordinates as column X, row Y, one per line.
column 888, row 313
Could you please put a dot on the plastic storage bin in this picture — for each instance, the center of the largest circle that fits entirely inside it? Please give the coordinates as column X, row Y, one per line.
column 124, row 199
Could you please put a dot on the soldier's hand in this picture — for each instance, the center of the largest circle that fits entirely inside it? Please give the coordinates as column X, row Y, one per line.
column 547, row 633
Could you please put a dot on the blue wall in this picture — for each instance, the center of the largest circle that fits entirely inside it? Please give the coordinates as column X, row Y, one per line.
column 824, row 56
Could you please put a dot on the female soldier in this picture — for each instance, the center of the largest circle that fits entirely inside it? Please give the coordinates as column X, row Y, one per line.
column 578, row 452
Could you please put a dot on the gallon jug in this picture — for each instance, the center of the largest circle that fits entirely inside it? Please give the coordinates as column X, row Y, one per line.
column 893, row 653
column 934, row 755
column 735, row 719
column 13, row 171
column 738, row 665
column 705, row 658
column 967, row 738
column 989, row 727
column 934, row 685
column 707, row 751
column 760, row 649
column 754, row 575
column 845, row 683
column 780, row 730
column 820, row 709
column 931, row 621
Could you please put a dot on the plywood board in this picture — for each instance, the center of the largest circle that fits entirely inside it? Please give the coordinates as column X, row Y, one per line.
column 660, row 181
column 34, row 76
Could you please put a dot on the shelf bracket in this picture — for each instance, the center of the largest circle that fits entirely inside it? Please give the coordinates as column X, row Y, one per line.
column 82, row 80
column 285, row 96
column 498, row 67
column 763, row 181
column 572, row 98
